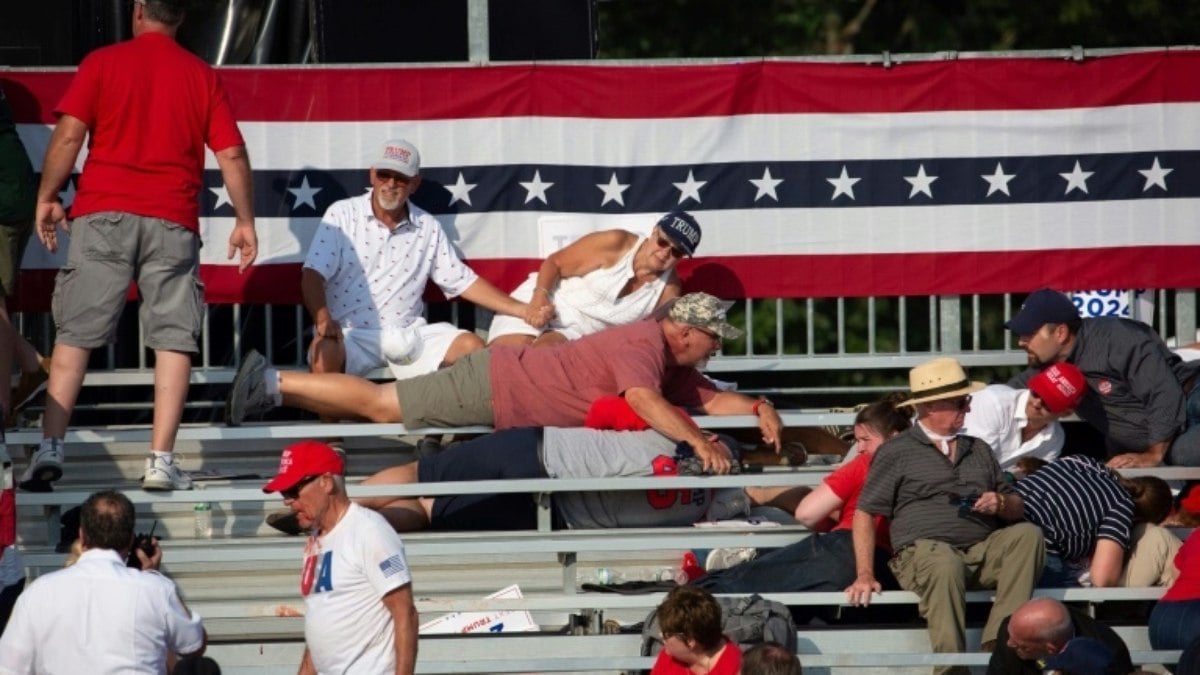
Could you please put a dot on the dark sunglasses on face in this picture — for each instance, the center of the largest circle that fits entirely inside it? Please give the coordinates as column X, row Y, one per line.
column 676, row 252
column 293, row 492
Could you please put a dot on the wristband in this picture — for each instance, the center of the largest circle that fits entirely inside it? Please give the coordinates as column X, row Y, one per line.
column 759, row 403
column 539, row 288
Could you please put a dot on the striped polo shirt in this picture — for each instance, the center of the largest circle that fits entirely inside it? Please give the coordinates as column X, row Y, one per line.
column 1077, row 500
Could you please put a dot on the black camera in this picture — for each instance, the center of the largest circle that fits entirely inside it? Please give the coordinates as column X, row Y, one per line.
column 964, row 504
column 144, row 542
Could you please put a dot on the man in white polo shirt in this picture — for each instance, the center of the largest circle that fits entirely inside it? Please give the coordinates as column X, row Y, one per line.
column 101, row 616
column 367, row 269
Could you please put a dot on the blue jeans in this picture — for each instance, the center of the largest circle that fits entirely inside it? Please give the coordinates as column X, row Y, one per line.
column 1059, row 573
column 1174, row 625
column 820, row 562
column 1185, row 449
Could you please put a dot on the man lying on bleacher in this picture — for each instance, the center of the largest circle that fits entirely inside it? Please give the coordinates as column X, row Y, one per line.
column 945, row 497
column 651, row 363
column 1141, row 395
column 548, row 453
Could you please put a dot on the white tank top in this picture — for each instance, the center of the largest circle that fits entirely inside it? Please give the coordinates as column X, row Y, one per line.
column 589, row 303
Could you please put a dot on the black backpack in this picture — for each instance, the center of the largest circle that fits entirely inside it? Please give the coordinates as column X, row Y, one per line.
column 746, row 620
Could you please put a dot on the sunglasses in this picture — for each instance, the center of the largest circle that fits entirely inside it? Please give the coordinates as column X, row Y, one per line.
column 293, row 493
column 676, row 252
column 388, row 176
column 961, row 403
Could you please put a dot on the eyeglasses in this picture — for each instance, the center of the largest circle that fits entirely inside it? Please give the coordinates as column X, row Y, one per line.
column 961, row 403
column 293, row 493
column 713, row 336
column 676, row 252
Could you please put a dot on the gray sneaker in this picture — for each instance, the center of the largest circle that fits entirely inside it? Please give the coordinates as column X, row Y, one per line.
column 248, row 393
column 164, row 474
column 45, row 467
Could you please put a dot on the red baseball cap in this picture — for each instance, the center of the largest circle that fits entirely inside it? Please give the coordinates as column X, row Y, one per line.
column 1060, row 386
column 306, row 458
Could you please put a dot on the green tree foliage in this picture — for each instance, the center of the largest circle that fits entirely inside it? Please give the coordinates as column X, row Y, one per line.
column 722, row 28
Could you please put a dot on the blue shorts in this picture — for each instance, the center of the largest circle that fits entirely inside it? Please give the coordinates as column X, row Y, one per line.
column 512, row 453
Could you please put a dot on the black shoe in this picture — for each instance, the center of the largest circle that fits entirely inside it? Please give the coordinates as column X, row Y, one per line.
column 286, row 521
column 248, row 392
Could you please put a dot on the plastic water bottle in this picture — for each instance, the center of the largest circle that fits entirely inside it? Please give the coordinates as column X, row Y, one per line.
column 203, row 513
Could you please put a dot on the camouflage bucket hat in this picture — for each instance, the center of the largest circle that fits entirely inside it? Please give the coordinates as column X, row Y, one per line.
column 703, row 311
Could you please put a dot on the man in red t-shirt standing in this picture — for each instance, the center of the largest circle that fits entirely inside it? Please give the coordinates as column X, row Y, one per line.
column 150, row 107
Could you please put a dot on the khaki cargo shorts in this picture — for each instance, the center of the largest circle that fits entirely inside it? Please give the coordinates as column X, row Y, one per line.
column 110, row 249
column 458, row 396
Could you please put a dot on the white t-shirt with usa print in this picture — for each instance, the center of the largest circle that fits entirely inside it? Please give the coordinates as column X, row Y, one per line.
column 346, row 573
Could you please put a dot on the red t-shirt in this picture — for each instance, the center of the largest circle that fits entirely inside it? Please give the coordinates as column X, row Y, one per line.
column 847, row 483
column 729, row 663
column 150, row 107
column 554, row 387
column 1187, row 561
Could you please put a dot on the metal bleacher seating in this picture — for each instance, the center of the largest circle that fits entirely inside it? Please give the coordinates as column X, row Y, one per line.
column 244, row 579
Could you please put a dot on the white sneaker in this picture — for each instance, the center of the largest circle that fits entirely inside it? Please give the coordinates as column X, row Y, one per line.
column 724, row 558
column 164, row 474
column 45, row 466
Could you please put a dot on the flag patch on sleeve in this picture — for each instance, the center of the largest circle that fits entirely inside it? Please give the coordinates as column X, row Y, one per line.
column 393, row 565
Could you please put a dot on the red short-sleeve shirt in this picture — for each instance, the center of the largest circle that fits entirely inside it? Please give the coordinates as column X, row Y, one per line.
column 151, row 107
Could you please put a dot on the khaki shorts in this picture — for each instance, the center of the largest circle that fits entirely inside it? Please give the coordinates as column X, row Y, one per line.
column 458, row 396
column 110, row 249
column 13, row 237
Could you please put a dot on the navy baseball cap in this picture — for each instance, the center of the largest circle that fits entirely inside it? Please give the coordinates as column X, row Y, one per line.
column 682, row 229
column 1042, row 307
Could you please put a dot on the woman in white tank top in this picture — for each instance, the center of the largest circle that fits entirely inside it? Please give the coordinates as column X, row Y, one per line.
column 604, row 279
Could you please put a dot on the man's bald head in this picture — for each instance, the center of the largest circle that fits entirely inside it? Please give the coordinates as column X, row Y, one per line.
column 1040, row 627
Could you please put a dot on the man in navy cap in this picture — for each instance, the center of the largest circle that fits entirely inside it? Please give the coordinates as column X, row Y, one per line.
column 1141, row 395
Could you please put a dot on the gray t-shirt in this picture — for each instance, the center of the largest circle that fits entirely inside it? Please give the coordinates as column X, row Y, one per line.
column 587, row 453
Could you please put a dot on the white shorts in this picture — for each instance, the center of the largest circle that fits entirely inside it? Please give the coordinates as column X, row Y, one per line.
column 364, row 354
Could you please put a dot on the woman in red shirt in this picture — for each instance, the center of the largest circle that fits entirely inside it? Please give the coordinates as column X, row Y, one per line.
column 824, row 562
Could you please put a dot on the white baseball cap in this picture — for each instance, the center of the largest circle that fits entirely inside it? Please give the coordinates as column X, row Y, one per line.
column 399, row 155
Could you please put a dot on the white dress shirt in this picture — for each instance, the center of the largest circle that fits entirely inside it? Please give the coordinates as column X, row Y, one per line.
column 98, row 617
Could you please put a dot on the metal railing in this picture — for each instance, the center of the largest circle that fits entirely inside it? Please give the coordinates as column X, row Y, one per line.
column 818, row 346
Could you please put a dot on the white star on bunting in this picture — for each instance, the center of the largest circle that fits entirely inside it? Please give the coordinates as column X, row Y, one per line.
column 461, row 191
column 536, row 189
column 1155, row 175
column 921, row 184
column 998, row 181
column 222, row 194
column 843, row 185
column 304, row 195
column 613, row 190
column 690, row 189
column 1077, row 179
column 766, row 185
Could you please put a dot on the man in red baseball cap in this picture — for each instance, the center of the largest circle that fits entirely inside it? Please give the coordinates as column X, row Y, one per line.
column 1018, row 423
column 357, row 587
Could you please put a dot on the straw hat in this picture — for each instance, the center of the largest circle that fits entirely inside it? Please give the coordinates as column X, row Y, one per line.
column 939, row 379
